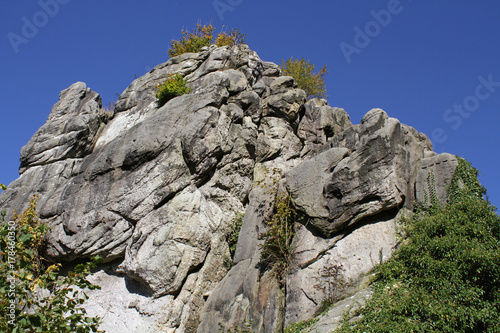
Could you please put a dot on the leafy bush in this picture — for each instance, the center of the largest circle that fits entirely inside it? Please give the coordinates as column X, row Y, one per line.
column 234, row 37
column 174, row 86
column 302, row 71
column 34, row 297
column 202, row 36
column 192, row 41
column 446, row 276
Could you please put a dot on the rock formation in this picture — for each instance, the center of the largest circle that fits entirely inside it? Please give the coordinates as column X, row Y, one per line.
column 154, row 190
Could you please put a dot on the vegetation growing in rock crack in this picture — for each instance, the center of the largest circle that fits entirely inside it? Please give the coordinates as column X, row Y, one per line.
column 302, row 71
column 202, row 36
column 232, row 236
column 246, row 327
column 332, row 282
column 277, row 251
column 446, row 276
column 34, row 297
column 174, row 86
column 301, row 326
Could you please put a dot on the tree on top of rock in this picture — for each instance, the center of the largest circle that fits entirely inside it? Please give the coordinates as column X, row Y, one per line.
column 302, row 71
column 202, row 36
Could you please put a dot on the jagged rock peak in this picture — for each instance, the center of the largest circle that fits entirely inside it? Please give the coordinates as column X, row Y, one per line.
column 155, row 191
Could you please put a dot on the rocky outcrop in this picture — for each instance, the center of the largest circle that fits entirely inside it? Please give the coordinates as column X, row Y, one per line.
column 155, row 191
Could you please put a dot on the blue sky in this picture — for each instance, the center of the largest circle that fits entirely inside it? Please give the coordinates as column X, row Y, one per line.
column 433, row 65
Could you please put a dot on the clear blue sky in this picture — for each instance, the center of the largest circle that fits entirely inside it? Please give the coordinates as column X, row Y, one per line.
column 433, row 65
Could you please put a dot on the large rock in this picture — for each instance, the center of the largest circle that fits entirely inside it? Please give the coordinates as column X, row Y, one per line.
column 373, row 179
column 156, row 192
column 433, row 178
column 71, row 130
column 322, row 126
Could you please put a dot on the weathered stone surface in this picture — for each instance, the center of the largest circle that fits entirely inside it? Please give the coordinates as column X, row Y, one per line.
column 286, row 100
column 246, row 293
column 306, row 181
column 434, row 177
column 71, row 129
column 322, row 125
column 123, row 305
column 347, row 307
column 155, row 191
column 356, row 251
column 277, row 139
column 373, row 179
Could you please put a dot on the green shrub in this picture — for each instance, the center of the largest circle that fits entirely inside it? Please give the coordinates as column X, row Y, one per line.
column 234, row 232
column 192, row 41
column 202, row 36
column 276, row 250
column 302, row 71
column 245, row 328
column 174, row 86
column 234, row 37
column 446, row 276
column 301, row 326
column 24, row 307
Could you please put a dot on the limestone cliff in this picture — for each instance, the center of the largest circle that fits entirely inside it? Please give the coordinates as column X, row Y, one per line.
column 154, row 191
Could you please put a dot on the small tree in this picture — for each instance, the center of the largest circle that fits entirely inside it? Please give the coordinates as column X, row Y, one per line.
column 34, row 297
column 302, row 71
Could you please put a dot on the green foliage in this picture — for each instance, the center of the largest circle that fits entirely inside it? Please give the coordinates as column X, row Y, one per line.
column 446, row 276
column 301, row 326
column 234, row 37
column 245, row 328
column 202, row 36
column 3, row 187
column 277, row 251
column 302, row 71
column 234, row 232
column 174, row 86
column 34, row 297
column 192, row 41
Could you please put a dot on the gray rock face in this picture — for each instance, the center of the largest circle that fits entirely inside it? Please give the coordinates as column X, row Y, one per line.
column 71, row 130
column 355, row 184
column 434, row 177
column 155, row 192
